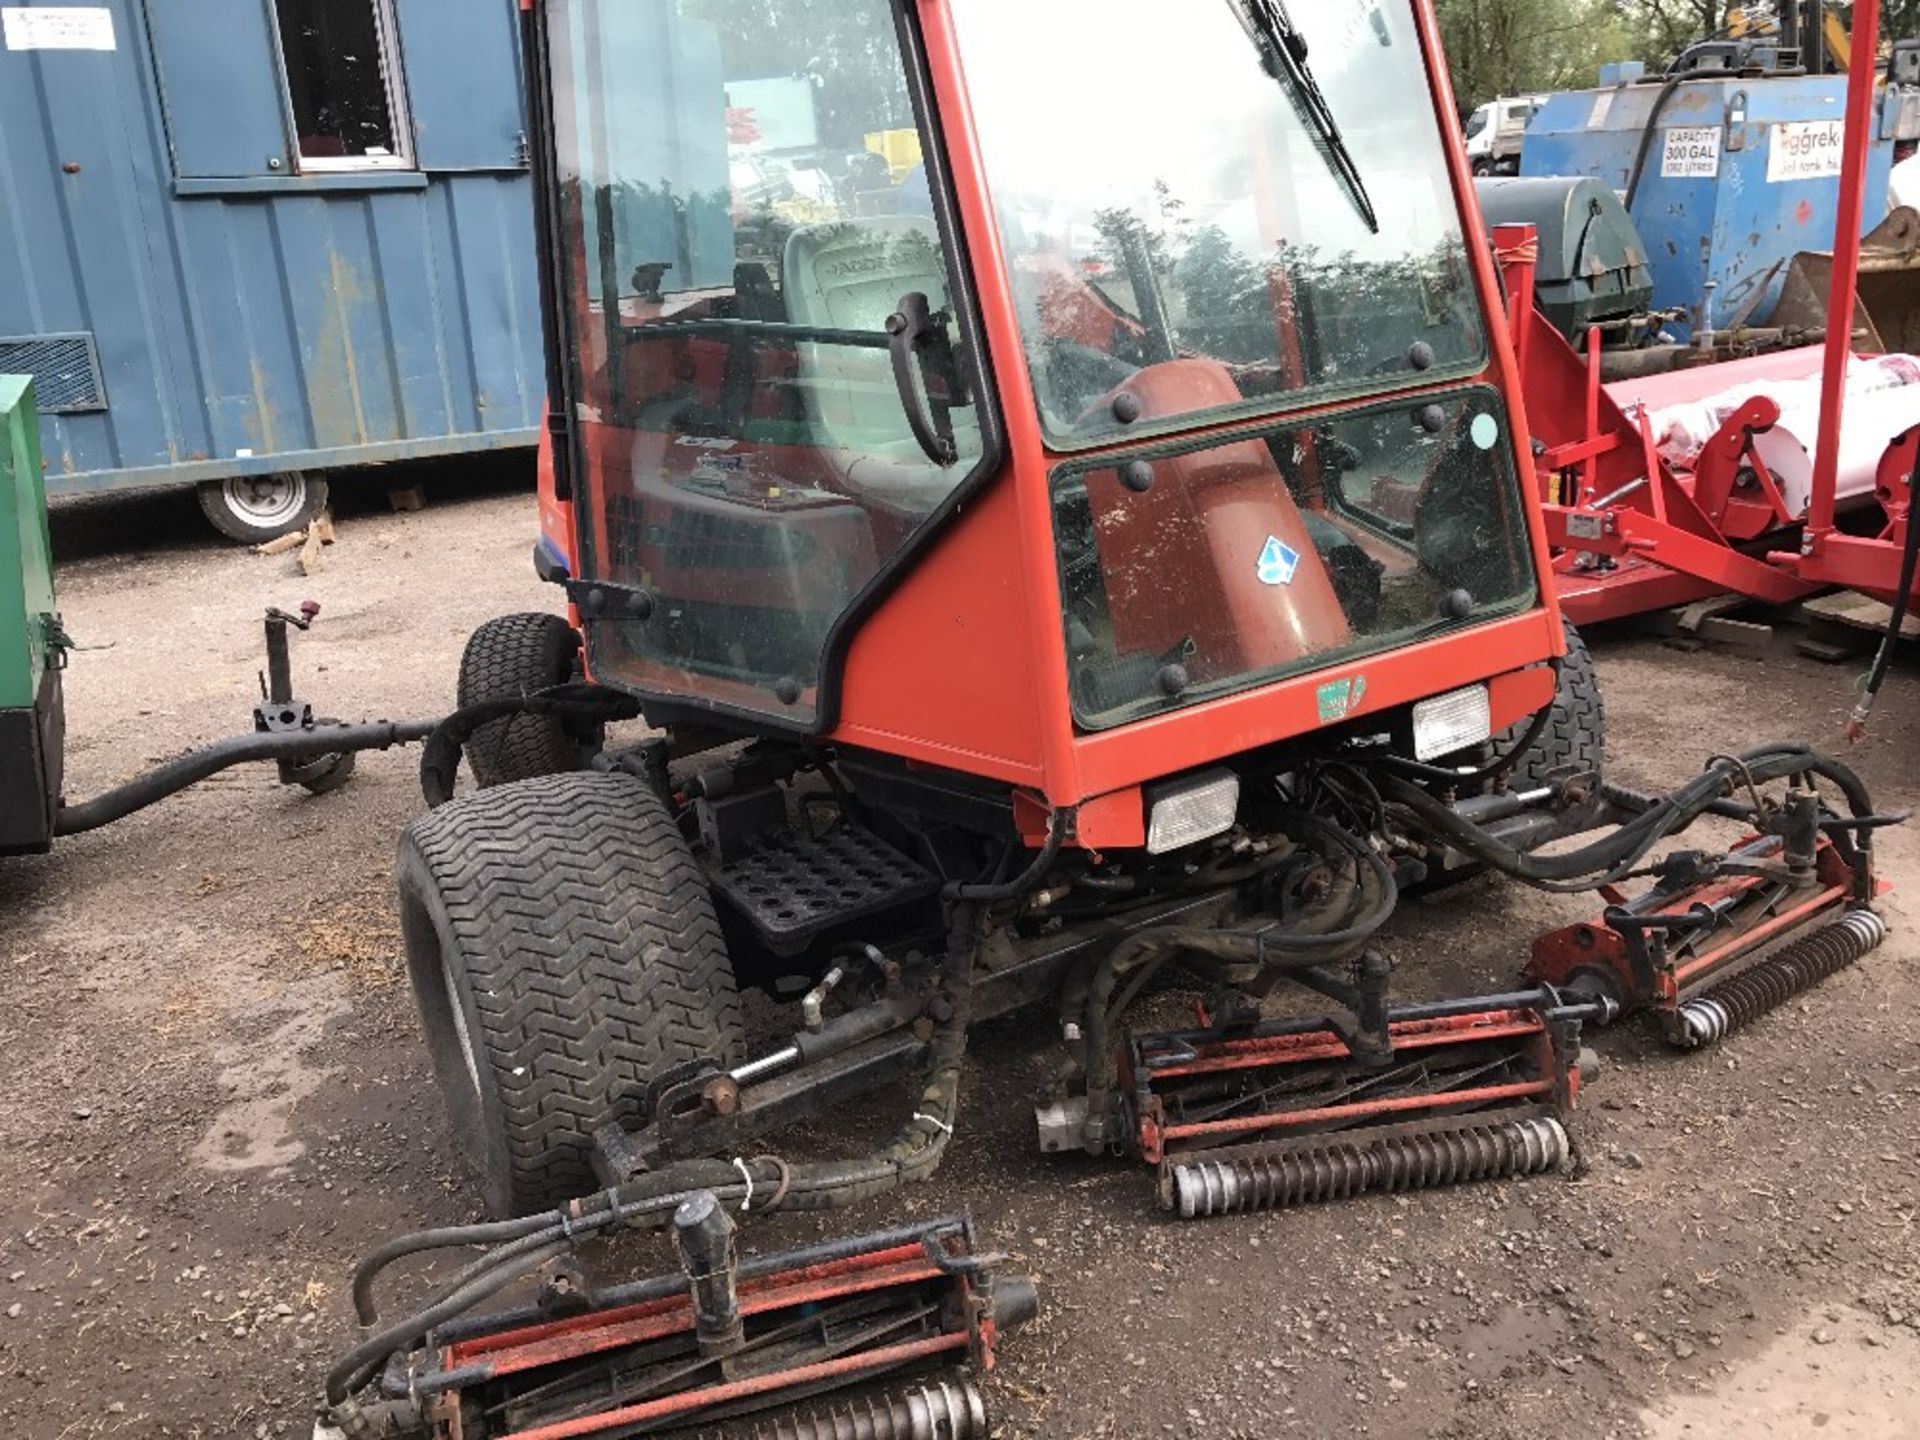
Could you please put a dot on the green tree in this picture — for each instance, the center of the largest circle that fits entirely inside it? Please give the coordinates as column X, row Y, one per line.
column 849, row 52
column 1518, row 47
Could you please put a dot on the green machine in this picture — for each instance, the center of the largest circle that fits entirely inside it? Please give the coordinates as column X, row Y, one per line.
column 32, row 644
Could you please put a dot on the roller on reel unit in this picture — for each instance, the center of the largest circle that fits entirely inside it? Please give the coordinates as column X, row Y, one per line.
column 1692, row 948
column 1282, row 1113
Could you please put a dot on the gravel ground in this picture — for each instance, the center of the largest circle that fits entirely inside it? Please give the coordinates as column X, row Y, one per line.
column 217, row 1099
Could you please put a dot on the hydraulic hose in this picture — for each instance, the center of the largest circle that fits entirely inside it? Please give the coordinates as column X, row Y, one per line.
column 176, row 775
column 1058, row 824
column 1903, row 598
column 1612, row 855
column 1374, row 898
column 447, row 741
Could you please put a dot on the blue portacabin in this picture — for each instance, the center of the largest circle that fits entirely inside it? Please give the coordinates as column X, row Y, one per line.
column 240, row 238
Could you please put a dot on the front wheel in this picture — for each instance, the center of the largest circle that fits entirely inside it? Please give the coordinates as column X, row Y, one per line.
column 509, row 658
column 563, row 950
column 254, row 509
column 1575, row 735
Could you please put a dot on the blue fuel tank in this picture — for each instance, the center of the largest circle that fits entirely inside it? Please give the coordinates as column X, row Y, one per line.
column 1742, row 173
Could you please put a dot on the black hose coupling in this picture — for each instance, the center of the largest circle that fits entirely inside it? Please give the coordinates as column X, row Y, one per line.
column 703, row 1234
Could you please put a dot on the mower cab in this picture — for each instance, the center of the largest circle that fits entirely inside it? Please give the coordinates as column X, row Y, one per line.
column 1104, row 442
column 1049, row 476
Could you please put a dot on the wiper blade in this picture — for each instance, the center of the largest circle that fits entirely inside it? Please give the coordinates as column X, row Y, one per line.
column 1283, row 54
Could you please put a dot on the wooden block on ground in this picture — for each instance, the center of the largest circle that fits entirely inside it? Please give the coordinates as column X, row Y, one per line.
column 310, row 551
column 1847, row 624
column 1849, row 607
column 280, row 544
column 410, row 497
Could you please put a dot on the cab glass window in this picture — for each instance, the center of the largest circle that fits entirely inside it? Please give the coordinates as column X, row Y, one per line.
column 1195, row 570
column 745, row 200
column 1168, row 186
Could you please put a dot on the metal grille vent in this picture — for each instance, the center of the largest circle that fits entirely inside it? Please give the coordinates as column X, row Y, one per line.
column 65, row 370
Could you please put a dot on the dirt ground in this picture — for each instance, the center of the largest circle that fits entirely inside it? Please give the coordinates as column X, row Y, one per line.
column 215, row 1099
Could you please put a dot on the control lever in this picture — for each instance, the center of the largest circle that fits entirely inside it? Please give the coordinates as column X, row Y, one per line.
column 916, row 338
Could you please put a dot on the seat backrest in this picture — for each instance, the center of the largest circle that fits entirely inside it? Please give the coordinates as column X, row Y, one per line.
column 850, row 275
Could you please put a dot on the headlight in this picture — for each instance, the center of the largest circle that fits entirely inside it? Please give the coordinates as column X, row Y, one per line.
column 1197, row 808
column 1451, row 722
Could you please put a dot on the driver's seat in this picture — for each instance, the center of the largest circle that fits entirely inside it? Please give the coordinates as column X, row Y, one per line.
column 850, row 275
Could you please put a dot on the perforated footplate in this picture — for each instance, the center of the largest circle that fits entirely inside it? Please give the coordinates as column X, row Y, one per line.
column 792, row 887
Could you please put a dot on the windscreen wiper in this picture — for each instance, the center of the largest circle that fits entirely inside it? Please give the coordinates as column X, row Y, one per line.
column 1283, row 54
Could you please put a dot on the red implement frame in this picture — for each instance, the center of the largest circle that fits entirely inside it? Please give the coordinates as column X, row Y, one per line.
column 1544, row 1074
column 1826, row 556
column 966, row 1329
column 1625, row 953
column 1631, row 535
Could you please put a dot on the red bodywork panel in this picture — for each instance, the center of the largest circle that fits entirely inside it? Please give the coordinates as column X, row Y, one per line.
column 963, row 663
column 1227, row 500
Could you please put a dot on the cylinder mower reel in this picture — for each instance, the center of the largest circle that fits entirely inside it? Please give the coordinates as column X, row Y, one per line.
column 1719, row 939
column 1273, row 1114
column 881, row 1334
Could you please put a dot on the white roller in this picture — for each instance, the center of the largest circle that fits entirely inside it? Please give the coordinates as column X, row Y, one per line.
column 1869, row 422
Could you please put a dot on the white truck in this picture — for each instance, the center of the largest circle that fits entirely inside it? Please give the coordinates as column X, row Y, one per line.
column 1495, row 130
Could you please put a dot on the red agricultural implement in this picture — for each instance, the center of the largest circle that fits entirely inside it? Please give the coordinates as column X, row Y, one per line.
column 1091, row 559
column 1632, row 534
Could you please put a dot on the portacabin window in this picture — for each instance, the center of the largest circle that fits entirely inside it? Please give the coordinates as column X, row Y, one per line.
column 345, row 94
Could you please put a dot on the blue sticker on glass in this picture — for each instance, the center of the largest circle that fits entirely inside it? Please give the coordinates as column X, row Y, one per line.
column 1484, row 430
column 1278, row 562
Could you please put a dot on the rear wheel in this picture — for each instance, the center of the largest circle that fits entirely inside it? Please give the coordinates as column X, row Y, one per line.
column 563, row 950
column 1576, row 732
column 254, row 509
column 514, row 656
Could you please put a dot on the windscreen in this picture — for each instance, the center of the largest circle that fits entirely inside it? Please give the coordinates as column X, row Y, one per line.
column 1198, row 569
column 744, row 203
column 1165, row 188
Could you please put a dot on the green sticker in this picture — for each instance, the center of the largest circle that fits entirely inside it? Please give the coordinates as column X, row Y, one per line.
column 1340, row 698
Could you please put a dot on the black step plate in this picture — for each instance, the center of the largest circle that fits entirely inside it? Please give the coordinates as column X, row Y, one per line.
column 792, row 887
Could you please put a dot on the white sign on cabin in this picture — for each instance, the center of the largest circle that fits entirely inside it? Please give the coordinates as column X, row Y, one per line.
column 57, row 27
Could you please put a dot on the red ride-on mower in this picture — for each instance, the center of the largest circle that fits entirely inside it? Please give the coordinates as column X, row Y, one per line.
column 1091, row 558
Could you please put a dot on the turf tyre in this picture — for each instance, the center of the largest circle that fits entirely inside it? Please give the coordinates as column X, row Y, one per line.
column 1576, row 731
column 563, row 949
column 510, row 657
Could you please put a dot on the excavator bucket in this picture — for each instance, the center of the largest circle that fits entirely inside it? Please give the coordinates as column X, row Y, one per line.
column 1886, row 314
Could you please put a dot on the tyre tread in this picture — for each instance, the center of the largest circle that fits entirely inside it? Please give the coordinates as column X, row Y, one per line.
column 509, row 657
column 589, row 941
